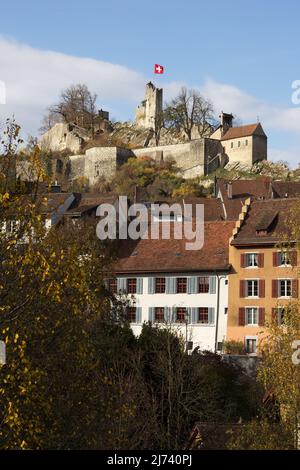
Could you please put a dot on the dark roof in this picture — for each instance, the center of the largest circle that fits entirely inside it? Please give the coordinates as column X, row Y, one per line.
column 146, row 256
column 285, row 189
column 242, row 188
column 87, row 202
column 243, row 131
column 271, row 216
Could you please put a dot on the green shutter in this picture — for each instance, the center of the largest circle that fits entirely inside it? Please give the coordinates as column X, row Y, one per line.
column 211, row 315
column 212, row 284
column 194, row 314
column 122, row 284
column 139, row 285
column 151, row 285
column 192, row 285
column 167, row 314
column 170, row 285
column 152, row 314
column 138, row 315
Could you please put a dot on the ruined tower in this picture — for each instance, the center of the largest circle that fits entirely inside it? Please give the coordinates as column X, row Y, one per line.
column 150, row 109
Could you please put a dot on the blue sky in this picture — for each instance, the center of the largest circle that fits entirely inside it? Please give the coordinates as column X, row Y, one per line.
column 242, row 55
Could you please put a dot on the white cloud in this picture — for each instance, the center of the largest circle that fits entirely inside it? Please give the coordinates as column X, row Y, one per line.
column 231, row 99
column 34, row 78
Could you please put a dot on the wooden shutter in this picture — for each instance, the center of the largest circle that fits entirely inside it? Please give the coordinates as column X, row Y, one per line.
column 139, row 285
column 275, row 315
column 211, row 315
column 138, row 315
column 212, row 284
column 243, row 260
column 275, row 288
column 275, row 258
column 261, row 288
column 151, row 285
column 293, row 257
column 167, row 314
column 261, row 316
column 192, row 285
column 194, row 313
column 260, row 260
column 170, row 285
column 242, row 288
column 152, row 314
column 295, row 288
column 241, row 316
column 122, row 284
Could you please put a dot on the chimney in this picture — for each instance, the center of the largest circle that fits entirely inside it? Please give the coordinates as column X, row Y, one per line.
column 226, row 121
column 229, row 190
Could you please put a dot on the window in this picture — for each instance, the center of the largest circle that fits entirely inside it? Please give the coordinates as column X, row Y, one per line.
column 281, row 314
column 239, row 143
column 159, row 314
column 181, row 285
column 232, row 145
column 251, row 316
column 252, row 288
column 284, row 258
column 251, row 260
column 160, row 285
column 131, row 286
column 285, row 288
column 203, row 315
column 246, row 142
column 250, row 344
column 181, row 315
column 113, row 286
column 131, row 314
column 203, row 285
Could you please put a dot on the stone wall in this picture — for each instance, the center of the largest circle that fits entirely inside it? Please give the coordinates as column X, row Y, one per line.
column 62, row 137
column 192, row 157
column 98, row 162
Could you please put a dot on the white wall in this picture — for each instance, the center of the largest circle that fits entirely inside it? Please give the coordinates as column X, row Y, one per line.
column 201, row 335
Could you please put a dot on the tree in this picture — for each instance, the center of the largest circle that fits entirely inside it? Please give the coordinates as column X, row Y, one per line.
column 189, row 110
column 76, row 105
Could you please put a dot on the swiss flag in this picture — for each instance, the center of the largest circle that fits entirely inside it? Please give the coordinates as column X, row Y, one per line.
column 158, row 69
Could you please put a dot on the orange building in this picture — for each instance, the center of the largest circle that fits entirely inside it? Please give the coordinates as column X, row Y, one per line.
column 263, row 279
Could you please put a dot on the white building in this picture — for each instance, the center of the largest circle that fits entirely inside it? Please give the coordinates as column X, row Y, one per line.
column 187, row 290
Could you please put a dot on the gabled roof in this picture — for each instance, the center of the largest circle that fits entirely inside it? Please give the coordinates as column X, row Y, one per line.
column 154, row 256
column 243, row 131
column 271, row 217
column 259, row 188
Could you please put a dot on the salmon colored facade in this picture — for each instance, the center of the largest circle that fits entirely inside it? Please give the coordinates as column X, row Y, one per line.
column 263, row 278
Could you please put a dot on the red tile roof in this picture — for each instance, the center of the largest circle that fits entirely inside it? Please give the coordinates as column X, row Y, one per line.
column 146, row 256
column 271, row 216
column 242, row 131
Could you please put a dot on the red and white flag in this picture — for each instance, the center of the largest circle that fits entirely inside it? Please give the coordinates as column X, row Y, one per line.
column 158, row 69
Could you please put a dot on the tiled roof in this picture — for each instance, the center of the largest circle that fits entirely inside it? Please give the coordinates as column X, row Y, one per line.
column 88, row 201
column 286, row 188
column 146, row 256
column 241, row 131
column 272, row 216
column 243, row 188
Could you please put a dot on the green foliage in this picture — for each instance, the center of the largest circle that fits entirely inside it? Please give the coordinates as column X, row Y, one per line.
column 234, row 347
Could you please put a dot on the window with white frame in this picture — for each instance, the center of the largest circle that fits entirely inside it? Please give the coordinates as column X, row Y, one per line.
column 285, row 288
column 252, row 288
column 251, row 316
column 251, row 260
column 251, row 344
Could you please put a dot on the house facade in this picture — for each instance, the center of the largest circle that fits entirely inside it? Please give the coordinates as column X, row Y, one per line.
column 263, row 279
column 184, row 290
